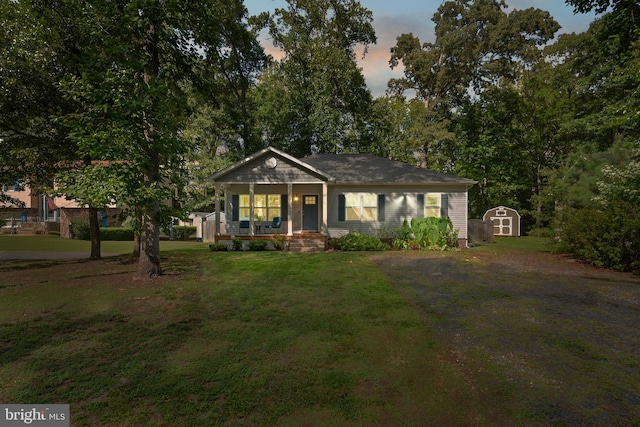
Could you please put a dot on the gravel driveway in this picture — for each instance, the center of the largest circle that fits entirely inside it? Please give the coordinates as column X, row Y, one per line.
column 565, row 335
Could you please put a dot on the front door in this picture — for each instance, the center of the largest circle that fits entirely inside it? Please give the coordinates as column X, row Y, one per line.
column 310, row 212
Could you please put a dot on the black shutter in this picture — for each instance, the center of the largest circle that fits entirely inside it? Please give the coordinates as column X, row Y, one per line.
column 235, row 207
column 284, row 207
column 444, row 205
column 381, row 200
column 342, row 207
column 420, row 205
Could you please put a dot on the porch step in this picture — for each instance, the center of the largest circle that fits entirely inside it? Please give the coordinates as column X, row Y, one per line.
column 308, row 245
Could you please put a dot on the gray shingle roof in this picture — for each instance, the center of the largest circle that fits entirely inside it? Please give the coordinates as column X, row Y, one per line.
column 367, row 168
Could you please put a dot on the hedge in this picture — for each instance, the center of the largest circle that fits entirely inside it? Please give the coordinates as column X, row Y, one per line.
column 123, row 234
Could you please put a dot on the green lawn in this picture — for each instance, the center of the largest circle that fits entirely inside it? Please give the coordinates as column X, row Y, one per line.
column 58, row 244
column 526, row 244
column 250, row 338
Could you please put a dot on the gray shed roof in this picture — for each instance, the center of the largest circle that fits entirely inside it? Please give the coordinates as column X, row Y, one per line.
column 370, row 169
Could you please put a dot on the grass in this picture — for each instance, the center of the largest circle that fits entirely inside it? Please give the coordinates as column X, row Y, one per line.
column 522, row 244
column 265, row 338
column 275, row 338
column 57, row 244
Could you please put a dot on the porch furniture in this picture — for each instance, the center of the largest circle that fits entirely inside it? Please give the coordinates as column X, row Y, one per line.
column 276, row 223
column 244, row 224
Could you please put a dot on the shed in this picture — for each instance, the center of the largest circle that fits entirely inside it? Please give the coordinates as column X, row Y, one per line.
column 506, row 221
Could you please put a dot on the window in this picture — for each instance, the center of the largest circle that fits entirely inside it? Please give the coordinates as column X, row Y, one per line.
column 10, row 187
column 265, row 206
column 361, row 206
column 432, row 205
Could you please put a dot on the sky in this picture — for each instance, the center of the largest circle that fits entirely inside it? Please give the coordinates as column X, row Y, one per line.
column 391, row 18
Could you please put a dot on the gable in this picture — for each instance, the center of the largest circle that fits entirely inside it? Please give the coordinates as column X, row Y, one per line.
column 270, row 166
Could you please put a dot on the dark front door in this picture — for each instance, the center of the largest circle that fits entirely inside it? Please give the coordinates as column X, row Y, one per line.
column 310, row 213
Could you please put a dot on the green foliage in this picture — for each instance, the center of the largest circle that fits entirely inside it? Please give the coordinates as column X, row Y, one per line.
column 218, row 247
column 258, row 245
column 279, row 241
column 606, row 233
column 356, row 241
column 119, row 234
column 316, row 97
column 80, row 227
column 180, row 232
column 236, row 244
column 607, row 238
column 434, row 233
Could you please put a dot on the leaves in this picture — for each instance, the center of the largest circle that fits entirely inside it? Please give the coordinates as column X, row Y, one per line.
column 316, row 99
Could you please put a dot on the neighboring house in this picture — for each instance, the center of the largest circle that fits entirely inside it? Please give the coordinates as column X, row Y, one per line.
column 44, row 213
column 332, row 194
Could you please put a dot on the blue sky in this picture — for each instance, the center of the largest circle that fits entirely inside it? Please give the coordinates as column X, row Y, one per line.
column 394, row 17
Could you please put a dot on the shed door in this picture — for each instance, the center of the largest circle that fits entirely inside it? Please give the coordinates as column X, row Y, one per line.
column 501, row 226
column 310, row 212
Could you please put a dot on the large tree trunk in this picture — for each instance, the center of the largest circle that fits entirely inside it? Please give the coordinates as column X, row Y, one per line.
column 136, row 244
column 94, row 224
column 94, row 231
column 149, row 263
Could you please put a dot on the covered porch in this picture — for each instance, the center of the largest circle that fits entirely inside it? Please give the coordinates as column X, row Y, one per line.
column 263, row 210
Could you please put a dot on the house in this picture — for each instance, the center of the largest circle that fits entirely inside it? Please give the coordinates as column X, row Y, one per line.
column 42, row 213
column 506, row 221
column 328, row 195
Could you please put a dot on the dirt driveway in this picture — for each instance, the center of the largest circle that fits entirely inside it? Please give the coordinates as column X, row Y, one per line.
column 564, row 336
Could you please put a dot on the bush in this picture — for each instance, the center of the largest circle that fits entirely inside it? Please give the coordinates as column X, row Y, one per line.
column 236, row 244
column 218, row 247
column 180, row 232
column 279, row 242
column 53, row 233
column 434, row 233
column 426, row 233
column 356, row 241
column 258, row 245
column 80, row 228
column 121, row 234
column 607, row 237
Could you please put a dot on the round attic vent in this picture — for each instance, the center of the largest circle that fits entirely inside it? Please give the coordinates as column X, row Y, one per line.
column 271, row 162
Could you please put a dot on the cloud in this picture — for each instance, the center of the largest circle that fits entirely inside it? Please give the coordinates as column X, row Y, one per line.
column 375, row 65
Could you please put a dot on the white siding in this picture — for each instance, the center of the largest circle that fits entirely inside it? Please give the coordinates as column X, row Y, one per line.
column 401, row 203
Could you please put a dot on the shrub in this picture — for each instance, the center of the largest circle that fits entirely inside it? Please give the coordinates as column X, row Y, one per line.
column 279, row 242
column 236, row 244
column 121, row 234
column 258, row 245
column 53, row 233
column 603, row 237
column 80, row 228
column 425, row 233
column 434, row 233
column 180, row 232
column 218, row 247
column 356, row 241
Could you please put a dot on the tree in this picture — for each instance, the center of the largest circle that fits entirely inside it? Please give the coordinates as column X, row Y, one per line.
column 316, row 99
column 477, row 46
column 33, row 58
column 135, row 65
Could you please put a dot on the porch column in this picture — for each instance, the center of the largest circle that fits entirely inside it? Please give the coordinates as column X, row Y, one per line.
column 251, row 227
column 290, row 209
column 216, row 228
column 325, row 215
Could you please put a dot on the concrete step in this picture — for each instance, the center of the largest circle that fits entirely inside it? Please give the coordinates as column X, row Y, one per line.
column 307, row 245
